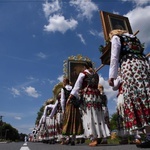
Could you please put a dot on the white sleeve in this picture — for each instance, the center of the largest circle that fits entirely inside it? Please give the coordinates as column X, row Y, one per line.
column 78, row 85
column 62, row 100
column 54, row 108
column 117, row 82
column 46, row 107
column 114, row 59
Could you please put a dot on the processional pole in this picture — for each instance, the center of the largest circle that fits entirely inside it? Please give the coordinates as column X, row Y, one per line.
column 101, row 66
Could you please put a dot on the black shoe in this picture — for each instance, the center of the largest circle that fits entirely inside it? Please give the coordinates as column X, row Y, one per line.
column 99, row 140
column 123, row 142
column 82, row 140
column 78, row 141
column 67, row 142
column 145, row 144
column 72, row 143
column 104, row 142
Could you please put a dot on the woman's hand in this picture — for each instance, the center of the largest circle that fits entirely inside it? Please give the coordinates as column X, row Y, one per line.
column 69, row 98
column 111, row 81
column 68, row 101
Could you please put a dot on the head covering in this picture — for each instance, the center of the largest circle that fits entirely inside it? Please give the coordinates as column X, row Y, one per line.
column 88, row 64
column 116, row 32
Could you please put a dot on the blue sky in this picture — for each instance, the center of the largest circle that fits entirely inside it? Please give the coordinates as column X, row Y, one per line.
column 36, row 36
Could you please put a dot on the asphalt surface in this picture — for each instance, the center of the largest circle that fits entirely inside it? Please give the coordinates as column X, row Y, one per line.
column 43, row 146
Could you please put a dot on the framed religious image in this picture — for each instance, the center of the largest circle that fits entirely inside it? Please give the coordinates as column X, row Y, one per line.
column 112, row 21
column 73, row 66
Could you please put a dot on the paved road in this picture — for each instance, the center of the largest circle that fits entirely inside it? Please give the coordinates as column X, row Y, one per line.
column 42, row 146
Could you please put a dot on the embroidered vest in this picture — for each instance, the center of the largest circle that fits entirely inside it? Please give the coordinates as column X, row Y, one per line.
column 130, row 48
column 67, row 93
column 90, row 80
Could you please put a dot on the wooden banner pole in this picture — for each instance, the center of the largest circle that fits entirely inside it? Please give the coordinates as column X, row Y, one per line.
column 101, row 66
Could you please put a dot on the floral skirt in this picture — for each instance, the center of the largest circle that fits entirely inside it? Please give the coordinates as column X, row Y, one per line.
column 93, row 117
column 72, row 122
column 136, row 93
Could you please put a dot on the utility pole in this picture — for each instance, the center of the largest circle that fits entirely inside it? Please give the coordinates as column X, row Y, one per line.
column 1, row 123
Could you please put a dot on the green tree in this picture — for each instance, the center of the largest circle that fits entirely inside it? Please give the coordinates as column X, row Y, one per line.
column 113, row 121
column 8, row 132
column 22, row 136
column 39, row 115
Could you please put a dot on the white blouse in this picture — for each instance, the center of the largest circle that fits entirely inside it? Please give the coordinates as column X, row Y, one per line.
column 54, row 109
column 115, row 52
column 78, row 84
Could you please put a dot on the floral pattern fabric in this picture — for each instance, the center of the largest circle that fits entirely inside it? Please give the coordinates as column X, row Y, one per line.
column 93, row 116
column 135, row 72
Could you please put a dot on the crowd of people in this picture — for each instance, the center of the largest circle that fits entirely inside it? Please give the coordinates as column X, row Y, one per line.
column 87, row 120
column 90, row 118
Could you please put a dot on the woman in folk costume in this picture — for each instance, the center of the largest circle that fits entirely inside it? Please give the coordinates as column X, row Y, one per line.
column 120, row 110
column 72, row 123
column 93, row 117
column 122, row 133
column 46, row 124
column 48, row 106
column 118, row 86
column 104, row 102
column 56, row 113
column 127, row 50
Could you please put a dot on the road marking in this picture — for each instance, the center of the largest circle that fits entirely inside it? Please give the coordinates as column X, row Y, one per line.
column 25, row 147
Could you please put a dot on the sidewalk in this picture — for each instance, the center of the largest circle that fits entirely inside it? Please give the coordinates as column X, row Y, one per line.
column 3, row 142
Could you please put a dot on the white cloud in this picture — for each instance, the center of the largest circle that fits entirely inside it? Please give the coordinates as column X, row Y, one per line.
column 84, row 7
column 18, row 118
column 22, row 128
column 60, row 78
column 51, row 81
column 8, row 114
column 31, row 92
column 33, row 35
column 96, row 33
column 115, row 12
column 138, row 2
column 15, row 92
column 139, row 20
column 81, row 38
column 50, row 8
column 59, row 23
column 41, row 55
